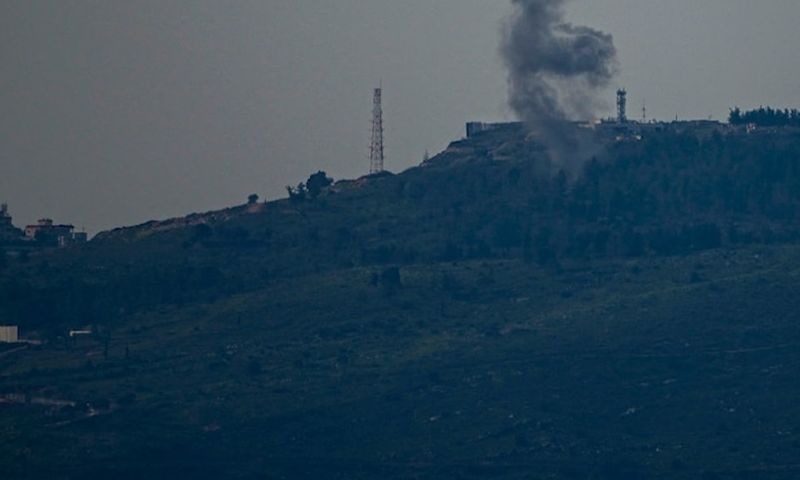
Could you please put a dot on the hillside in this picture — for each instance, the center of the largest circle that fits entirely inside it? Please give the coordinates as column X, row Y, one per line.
column 483, row 315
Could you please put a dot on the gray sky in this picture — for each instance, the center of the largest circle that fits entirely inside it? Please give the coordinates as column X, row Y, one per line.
column 117, row 112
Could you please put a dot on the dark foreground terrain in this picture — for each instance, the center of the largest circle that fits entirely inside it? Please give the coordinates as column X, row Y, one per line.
column 480, row 316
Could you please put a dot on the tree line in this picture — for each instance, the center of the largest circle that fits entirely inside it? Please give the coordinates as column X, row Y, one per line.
column 765, row 117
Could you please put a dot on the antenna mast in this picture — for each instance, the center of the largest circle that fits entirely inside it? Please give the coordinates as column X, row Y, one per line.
column 376, row 145
column 644, row 111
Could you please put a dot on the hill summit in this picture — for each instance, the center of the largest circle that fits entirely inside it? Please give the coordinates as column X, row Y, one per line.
column 486, row 314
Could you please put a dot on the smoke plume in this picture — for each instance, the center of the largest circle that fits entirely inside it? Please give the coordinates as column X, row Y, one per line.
column 556, row 71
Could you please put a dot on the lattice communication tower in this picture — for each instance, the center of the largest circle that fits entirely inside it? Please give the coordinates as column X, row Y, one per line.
column 622, row 105
column 376, row 146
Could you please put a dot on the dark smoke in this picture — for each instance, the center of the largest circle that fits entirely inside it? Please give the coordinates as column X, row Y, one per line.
column 556, row 71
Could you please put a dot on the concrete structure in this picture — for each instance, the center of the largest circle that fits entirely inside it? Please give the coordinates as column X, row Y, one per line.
column 73, row 238
column 80, row 237
column 43, row 234
column 621, row 128
column 5, row 218
column 46, row 228
column 9, row 334
column 474, row 128
column 9, row 234
column 47, row 233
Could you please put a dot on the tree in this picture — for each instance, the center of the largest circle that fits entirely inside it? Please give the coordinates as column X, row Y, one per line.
column 765, row 117
column 252, row 199
column 297, row 194
column 317, row 182
column 735, row 117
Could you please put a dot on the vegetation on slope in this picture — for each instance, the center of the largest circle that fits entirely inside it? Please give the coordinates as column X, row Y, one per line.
column 646, row 368
column 478, row 316
column 491, row 197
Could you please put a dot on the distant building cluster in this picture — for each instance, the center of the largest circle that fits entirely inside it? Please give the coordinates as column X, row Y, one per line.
column 45, row 233
column 623, row 128
column 474, row 128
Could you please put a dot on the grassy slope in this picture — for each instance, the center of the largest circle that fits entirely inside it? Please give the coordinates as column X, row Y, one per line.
column 618, row 369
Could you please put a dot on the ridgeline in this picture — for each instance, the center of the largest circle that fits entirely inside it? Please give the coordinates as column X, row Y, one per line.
column 481, row 315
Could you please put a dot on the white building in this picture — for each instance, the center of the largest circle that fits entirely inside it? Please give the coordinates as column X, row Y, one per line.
column 9, row 334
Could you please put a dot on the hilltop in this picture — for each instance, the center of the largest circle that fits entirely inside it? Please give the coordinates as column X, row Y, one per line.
column 492, row 196
column 484, row 314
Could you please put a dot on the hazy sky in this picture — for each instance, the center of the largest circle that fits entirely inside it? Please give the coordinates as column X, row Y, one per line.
column 120, row 111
